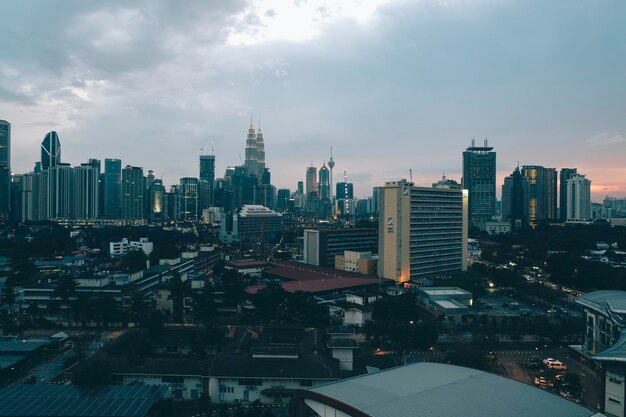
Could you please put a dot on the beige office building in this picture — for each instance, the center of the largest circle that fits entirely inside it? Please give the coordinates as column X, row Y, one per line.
column 422, row 230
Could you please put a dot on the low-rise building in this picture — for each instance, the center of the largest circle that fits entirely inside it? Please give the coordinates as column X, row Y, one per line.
column 353, row 261
column 122, row 247
column 451, row 303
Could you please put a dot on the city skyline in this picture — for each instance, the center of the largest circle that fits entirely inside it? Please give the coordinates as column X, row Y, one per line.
column 115, row 82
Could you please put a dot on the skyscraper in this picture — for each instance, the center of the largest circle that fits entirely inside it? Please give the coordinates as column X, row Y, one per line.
column 132, row 193
column 311, row 180
column 189, row 198
column 50, row 150
column 542, row 194
column 564, row 175
column 324, row 183
column 84, row 191
column 260, row 152
column 515, row 200
column 422, row 231
column 251, row 162
column 207, row 170
column 5, row 170
column 344, row 198
column 578, row 193
column 157, row 201
column 479, row 179
column 331, row 165
column 112, row 188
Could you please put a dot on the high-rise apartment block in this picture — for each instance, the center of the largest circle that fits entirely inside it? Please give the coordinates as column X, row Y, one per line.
column 564, row 175
column 578, row 196
column 422, row 231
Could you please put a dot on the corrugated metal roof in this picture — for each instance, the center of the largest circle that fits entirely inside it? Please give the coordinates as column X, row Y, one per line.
column 436, row 390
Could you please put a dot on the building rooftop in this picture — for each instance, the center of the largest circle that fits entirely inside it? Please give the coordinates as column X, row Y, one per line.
column 444, row 291
column 614, row 301
column 615, row 353
column 437, row 390
column 70, row 400
column 451, row 305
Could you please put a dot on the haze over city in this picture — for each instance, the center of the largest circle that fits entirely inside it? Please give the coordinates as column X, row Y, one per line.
column 390, row 85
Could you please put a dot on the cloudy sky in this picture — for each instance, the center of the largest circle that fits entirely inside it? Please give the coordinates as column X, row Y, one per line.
column 390, row 85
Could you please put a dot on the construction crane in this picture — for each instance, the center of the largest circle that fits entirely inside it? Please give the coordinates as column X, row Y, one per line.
column 204, row 144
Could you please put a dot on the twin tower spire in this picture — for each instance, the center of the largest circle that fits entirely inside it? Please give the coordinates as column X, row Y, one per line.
column 255, row 151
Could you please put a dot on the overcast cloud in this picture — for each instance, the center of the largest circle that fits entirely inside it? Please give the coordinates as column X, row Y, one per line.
column 390, row 85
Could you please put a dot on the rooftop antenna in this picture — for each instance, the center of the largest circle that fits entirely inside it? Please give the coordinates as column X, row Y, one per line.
column 486, row 142
column 240, row 160
column 251, row 114
column 411, row 174
column 473, row 142
column 203, row 145
column 212, row 148
column 345, row 176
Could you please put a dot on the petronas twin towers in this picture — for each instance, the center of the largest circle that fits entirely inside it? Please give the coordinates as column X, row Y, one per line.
column 255, row 152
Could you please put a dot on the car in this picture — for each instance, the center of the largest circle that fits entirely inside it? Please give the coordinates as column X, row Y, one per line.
column 552, row 311
column 548, row 360
column 555, row 364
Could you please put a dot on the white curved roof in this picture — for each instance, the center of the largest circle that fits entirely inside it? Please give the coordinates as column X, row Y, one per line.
column 436, row 390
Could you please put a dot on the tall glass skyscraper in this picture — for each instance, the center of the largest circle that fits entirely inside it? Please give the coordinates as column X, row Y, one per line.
column 132, row 193
column 542, row 192
column 5, row 169
column 112, row 188
column 479, row 179
column 50, row 150
column 324, row 183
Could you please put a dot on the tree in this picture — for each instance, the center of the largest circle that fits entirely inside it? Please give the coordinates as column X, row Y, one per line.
column 93, row 372
column 134, row 261
column 204, row 308
column 64, row 290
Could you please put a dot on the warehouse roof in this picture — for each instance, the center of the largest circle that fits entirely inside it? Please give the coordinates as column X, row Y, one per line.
column 437, row 390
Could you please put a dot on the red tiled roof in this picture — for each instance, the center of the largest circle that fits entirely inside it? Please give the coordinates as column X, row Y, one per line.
column 307, row 278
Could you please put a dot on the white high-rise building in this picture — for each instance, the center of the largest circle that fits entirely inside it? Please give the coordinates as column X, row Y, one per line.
column 422, row 231
column 578, row 198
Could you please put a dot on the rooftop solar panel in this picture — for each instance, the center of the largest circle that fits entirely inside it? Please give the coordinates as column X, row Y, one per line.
column 69, row 400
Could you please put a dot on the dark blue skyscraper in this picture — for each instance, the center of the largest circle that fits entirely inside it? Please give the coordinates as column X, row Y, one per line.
column 479, row 179
column 112, row 188
column 132, row 193
column 50, row 150
column 5, row 169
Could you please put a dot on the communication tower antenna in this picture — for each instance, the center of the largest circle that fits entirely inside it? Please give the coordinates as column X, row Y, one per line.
column 411, row 174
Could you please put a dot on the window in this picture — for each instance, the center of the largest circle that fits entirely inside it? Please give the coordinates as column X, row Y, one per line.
column 614, row 401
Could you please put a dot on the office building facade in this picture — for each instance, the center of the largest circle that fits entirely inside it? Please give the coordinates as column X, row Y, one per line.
column 542, row 200
column 50, row 150
column 112, row 188
column 422, row 231
column 5, row 170
column 479, row 179
column 322, row 245
column 132, row 205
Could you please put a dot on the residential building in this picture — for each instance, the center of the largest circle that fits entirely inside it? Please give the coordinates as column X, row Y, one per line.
column 564, row 175
column 354, row 261
column 578, row 197
column 422, row 231
column 124, row 246
column 479, row 179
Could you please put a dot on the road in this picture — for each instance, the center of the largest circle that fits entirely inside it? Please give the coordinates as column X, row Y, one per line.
column 592, row 390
